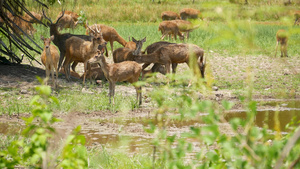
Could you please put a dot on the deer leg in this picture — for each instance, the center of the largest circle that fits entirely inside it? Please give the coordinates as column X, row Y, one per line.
column 110, row 91
column 61, row 58
column 74, row 64
column 112, row 46
column 174, row 66
column 276, row 48
column 138, row 94
column 162, row 36
column 113, row 92
column 47, row 73
column 85, row 70
column 145, row 65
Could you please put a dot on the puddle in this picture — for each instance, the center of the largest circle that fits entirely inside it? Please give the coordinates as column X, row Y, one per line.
column 286, row 111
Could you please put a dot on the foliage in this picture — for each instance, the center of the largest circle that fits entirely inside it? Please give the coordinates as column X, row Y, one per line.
column 32, row 150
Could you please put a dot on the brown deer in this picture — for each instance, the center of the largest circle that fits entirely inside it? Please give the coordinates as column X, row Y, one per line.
column 130, row 44
column 185, row 26
column 169, row 15
column 169, row 28
column 60, row 39
column 297, row 17
column 282, row 38
column 190, row 13
column 119, row 72
column 126, row 54
column 35, row 18
column 109, row 34
column 72, row 73
column 79, row 50
column 175, row 53
column 20, row 25
column 67, row 21
column 74, row 15
column 151, row 49
column 50, row 59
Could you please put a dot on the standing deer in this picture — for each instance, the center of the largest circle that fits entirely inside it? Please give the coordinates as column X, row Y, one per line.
column 169, row 28
column 190, row 13
column 60, row 39
column 185, row 26
column 174, row 54
column 127, row 54
column 119, row 72
column 109, row 34
column 169, row 15
column 79, row 50
column 74, row 15
column 282, row 38
column 50, row 58
column 67, row 21
column 297, row 18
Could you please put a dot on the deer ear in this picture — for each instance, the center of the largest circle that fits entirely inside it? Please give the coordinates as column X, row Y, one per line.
column 144, row 40
column 42, row 37
column 52, row 38
column 133, row 39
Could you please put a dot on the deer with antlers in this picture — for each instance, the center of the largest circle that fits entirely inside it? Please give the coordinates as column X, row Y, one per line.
column 119, row 72
column 60, row 39
column 50, row 59
column 109, row 34
column 79, row 50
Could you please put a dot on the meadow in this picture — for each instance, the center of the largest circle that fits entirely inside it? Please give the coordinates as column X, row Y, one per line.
column 239, row 43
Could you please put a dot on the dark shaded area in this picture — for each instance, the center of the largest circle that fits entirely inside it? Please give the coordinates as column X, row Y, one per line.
column 9, row 9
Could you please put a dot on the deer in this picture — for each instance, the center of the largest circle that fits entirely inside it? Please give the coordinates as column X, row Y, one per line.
column 119, row 72
column 282, row 38
column 60, row 39
column 126, row 54
column 50, row 59
column 169, row 15
column 74, row 15
column 156, row 67
column 80, row 50
column 130, row 44
column 34, row 18
column 109, row 34
column 297, row 17
column 185, row 26
column 190, row 13
column 169, row 28
column 174, row 54
column 67, row 21
column 18, row 22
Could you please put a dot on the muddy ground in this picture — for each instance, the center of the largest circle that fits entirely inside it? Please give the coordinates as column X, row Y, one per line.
column 266, row 70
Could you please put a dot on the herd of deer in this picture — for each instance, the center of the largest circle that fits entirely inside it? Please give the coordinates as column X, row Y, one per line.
column 89, row 49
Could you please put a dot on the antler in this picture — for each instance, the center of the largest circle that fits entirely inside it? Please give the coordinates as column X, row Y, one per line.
column 63, row 12
column 91, row 29
column 46, row 16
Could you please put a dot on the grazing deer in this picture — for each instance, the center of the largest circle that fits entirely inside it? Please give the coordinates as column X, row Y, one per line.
column 282, row 38
column 169, row 15
column 185, row 26
column 50, row 59
column 119, row 72
column 109, row 34
column 126, row 54
column 190, row 13
column 67, row 21
column 60, row 39
column 34, row 17
column 297, row 18
column 74, row 15
column 79, row 50
column 169, row 28
column 151, row 49
column 175, row 53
